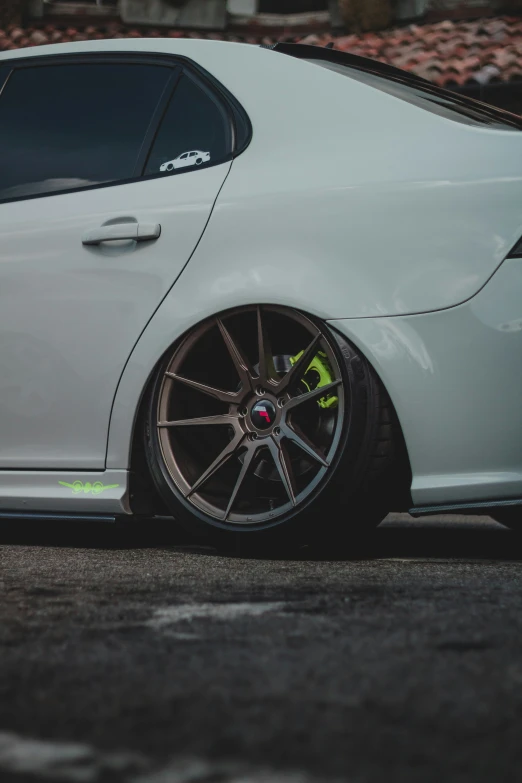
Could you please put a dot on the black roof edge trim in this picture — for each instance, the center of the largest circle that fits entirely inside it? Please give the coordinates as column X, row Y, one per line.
column 304, row 51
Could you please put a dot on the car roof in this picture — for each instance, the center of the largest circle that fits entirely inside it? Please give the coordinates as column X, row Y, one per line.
column 185, row 47
column 234, row 64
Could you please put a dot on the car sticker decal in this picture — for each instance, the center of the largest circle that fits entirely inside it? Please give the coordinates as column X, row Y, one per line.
column 88, row 488
column 184, row 159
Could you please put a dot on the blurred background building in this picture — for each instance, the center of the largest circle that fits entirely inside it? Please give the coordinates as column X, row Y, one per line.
column 470, row 46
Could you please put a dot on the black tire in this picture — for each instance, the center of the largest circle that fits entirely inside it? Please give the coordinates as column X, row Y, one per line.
column 355, row 491
column 199, row 161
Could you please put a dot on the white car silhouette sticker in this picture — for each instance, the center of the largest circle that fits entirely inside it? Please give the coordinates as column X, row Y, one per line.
column 192, row 158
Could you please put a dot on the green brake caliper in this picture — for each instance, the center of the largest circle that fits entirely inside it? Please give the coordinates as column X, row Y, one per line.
column 318, row 374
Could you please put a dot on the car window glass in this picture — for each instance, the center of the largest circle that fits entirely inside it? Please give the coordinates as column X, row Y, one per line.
column 74, row 125
column 195, row 131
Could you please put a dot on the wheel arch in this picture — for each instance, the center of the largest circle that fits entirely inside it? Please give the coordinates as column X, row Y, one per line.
column 401, row 474
column 143, row 495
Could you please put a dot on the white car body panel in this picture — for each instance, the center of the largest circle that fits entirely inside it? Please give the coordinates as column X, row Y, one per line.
column 70, row 314
column 455, row 379
column 390, row 233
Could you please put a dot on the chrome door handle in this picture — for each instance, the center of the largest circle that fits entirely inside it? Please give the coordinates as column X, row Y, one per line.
column 140, row 232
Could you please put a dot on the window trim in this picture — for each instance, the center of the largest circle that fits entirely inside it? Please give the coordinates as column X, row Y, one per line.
column 5, row 73
column 155, row 122
column 234, row 108
column 219, row 105
column 229, row 106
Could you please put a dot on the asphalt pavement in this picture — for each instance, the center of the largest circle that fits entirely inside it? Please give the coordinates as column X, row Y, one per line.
column 144, row 656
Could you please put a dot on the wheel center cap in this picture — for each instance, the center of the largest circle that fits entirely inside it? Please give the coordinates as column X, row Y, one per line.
column 263, row 414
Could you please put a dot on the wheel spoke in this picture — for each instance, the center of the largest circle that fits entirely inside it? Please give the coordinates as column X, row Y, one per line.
column 197, row 422
column 249, row 456
column 211, row 391
column 229, row 450
column 284, row 467
column 321, row 391
column 297, row 436
column 241, row 363
column 222, row 470
column 297, row 371
column 267, row 373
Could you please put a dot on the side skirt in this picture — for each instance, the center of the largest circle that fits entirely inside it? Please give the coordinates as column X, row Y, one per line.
column 68, row 493
column 483, row 507
column 31, row 516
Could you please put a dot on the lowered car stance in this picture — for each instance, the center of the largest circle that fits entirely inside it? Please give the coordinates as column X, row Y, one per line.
column 193, row 158
column 255, row 288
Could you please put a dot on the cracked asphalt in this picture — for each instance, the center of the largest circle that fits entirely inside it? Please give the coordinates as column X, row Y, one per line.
column 146, row 657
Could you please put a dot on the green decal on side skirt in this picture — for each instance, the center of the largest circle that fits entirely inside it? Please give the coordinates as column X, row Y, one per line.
column 88, row 488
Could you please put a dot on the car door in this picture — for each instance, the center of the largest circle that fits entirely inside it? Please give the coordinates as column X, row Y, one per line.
column 92, row 235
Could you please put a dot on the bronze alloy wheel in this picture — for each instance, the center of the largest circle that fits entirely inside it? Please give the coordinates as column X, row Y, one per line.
column 262, row 418
column 249, row 414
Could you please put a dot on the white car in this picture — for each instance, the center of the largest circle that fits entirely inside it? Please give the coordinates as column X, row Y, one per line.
column 323, row 325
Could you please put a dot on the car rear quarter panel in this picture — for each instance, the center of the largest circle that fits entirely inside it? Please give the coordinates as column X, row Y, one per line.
column 455, row 378
column 361, row 202
column 348, row 203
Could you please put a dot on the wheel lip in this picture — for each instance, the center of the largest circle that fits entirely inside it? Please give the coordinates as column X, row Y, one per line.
column 287, row 510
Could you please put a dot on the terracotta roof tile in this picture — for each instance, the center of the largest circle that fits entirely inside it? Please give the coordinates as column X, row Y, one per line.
column 446, row 52
column 482, row 50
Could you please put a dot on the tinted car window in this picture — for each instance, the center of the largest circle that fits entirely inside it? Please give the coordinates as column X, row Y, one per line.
column 195, row 132
column 74, row 125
